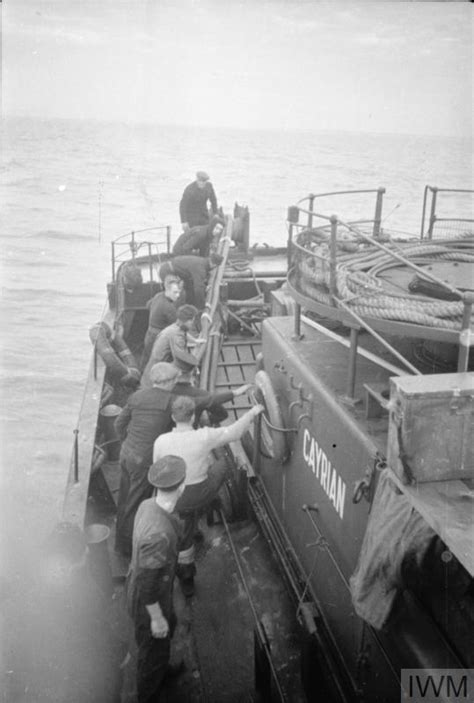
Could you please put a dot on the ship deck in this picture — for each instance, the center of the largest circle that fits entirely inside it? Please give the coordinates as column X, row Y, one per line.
column 237, row 589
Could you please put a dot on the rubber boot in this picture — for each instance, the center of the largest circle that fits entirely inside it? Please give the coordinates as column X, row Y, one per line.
column 185, row 574
column 212, row 511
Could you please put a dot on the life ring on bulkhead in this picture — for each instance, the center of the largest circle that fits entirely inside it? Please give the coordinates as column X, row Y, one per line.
column 259, row 362
column 116, row 355
column 272, row 438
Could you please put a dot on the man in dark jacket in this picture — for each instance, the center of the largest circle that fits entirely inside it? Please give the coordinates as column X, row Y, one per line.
column 171, row 346
column 146, row 415
column 156, row 536
column 199, row 238
column 212, row 403
column 163, row 312
column 194, row 272
column 193, row 206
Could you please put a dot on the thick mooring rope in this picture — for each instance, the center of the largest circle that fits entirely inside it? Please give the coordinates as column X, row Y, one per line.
column 358, row 267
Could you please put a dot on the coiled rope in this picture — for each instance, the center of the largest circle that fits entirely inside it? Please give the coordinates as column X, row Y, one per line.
column 359, row 264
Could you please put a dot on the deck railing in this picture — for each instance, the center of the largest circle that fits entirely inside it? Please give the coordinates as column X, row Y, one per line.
column 431, row 203
column 328, row 283
column 129, row 243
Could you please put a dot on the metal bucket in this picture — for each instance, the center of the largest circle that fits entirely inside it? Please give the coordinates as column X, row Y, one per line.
column 109, row 414
column 98, row 558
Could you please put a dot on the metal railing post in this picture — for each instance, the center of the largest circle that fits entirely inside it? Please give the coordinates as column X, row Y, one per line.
column 292, row 218
column 150, row 264
column 95, row 360
column 113, row 262
column 151, row 268
column 464, row 337
column 332, row 260
column 378, row 212
column 289, row 246
column 432, row 212
column 297, row 320
column 168, row 239
column 423, row 213
column 76, row 456
column 311, row 198
column 351, row 371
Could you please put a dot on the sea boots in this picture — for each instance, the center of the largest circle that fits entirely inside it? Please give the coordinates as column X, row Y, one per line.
column 185, row 574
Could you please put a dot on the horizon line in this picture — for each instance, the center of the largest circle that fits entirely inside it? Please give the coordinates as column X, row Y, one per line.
column 145, row 123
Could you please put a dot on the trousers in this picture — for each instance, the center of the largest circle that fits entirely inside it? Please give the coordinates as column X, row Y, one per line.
column 152, row 658
column 133, row 489
column 197, row 498
column 150, row 337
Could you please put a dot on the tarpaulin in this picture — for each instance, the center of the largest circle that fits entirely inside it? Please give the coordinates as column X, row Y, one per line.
column 396, row 532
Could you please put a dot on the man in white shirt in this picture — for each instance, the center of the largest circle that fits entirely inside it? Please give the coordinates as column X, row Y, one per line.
column 204, row 475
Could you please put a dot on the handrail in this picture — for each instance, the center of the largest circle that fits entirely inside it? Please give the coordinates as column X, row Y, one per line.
column 129, row 243
column 433, row 218
column 375, row 242
column 337, row 192
column 342, row 266
column 207, row 318
column 376, row 221
column 139, row 231
column 379, row 338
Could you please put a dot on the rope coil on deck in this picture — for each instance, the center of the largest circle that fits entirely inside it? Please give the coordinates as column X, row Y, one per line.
column 356, row 276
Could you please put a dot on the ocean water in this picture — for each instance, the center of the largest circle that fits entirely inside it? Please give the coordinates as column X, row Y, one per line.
column 69, row 187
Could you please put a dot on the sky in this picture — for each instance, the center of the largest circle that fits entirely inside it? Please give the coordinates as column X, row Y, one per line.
column 403, row 67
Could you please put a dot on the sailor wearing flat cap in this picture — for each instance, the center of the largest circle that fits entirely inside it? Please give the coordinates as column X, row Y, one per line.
column 145, row 416
column 193, row 208
column 167, row 473
column 156, row 535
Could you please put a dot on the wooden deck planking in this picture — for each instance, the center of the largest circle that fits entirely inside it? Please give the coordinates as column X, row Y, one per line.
column 236, row 367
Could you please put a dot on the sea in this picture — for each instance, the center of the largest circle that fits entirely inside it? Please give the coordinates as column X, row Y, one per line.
column 69, row 187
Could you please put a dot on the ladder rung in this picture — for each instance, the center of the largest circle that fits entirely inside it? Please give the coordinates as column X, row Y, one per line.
column 242, row 342
column 228, row 385
column 236, row 363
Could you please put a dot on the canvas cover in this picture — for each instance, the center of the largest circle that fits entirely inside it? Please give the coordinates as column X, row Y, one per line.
column 396, row 532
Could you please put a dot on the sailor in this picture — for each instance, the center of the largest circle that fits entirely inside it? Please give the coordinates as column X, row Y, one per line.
column 145, row 416
column 149, row 587
column 212, row 403
column 163, row 311
column 193, row 205
column 171, row 345
column 194, row 272
column 199, row 238
column 204, row 476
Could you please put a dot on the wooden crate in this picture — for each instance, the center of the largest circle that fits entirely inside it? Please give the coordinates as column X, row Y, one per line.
column 431, row 427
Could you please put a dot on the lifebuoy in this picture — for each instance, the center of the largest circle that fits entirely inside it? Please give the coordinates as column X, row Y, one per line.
column 273, row 440
column 101, row 335
column 124, row 352
column 259, row 362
